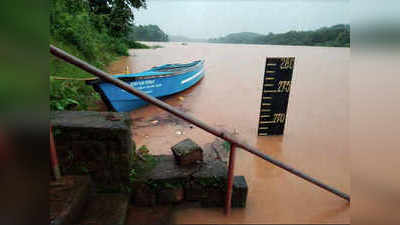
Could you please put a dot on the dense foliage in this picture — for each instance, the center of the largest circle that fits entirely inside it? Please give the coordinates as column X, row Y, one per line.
column 93, row 30
column 148, row 33
column 335, row 36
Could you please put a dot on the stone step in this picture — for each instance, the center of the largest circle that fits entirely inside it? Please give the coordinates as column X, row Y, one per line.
column 67, row 198
column 165, row 179
column 215, row 196
column 105, row 209
column 170, row 183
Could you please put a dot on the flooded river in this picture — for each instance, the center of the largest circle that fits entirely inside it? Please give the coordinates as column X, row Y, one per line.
column 316, row 134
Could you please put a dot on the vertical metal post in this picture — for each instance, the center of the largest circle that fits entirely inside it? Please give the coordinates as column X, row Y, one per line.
column 231, row 168
column 53, row 157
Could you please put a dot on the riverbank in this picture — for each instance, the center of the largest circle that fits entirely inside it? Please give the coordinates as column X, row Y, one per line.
column 68, row 90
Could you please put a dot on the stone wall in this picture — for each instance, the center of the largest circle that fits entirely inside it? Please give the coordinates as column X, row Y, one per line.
column 202, row 179
column 170, row 183
column 98, row 143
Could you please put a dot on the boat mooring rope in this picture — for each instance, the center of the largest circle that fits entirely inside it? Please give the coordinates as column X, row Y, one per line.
column 83, row 79
column 70, row 78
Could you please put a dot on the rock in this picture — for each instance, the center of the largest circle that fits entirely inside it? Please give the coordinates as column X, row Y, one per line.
column 209, row 153
column 187, row 152
column 239, row 192
column 221, row 149
column 169, row 195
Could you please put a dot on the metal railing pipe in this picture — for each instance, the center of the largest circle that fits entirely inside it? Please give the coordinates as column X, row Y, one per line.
column 53, row 157
column 231, row 170
column 290, row 169
column 108, row 78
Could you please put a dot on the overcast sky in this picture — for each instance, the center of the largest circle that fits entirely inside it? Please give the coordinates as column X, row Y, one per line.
column 215, row 18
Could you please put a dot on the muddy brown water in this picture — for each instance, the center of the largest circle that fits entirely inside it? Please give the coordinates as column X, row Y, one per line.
column 316, row 134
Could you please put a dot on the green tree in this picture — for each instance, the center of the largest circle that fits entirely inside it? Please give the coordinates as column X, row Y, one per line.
column 148, row 33
column 119, row 17
column 93, row 30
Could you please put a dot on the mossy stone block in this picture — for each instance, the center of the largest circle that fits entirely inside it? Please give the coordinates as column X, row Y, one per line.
column 239, row 192
column 215, row 195
column 187, row 152
column 167, row 171
column 171, row 195
column 215, row 198
column 194, row 192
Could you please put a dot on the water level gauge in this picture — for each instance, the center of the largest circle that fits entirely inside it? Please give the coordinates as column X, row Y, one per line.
column 275, row 95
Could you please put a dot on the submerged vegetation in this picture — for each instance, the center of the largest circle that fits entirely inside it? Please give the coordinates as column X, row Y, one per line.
column 334, row 36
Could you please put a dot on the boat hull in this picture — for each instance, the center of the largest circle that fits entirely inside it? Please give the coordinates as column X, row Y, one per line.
column 120, row 100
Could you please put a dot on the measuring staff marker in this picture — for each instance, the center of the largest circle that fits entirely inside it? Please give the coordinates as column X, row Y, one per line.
column 275, row 95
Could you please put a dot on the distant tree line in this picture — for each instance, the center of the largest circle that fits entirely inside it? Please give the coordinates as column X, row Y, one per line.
column 334, row 36
column 148, row 33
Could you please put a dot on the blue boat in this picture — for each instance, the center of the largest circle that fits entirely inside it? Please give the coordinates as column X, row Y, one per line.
column 158, row 82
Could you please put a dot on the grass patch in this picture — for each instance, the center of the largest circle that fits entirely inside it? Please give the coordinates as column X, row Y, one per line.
column 227, row 146
column 141, row 163
column 74, row 94
column 71, row 95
